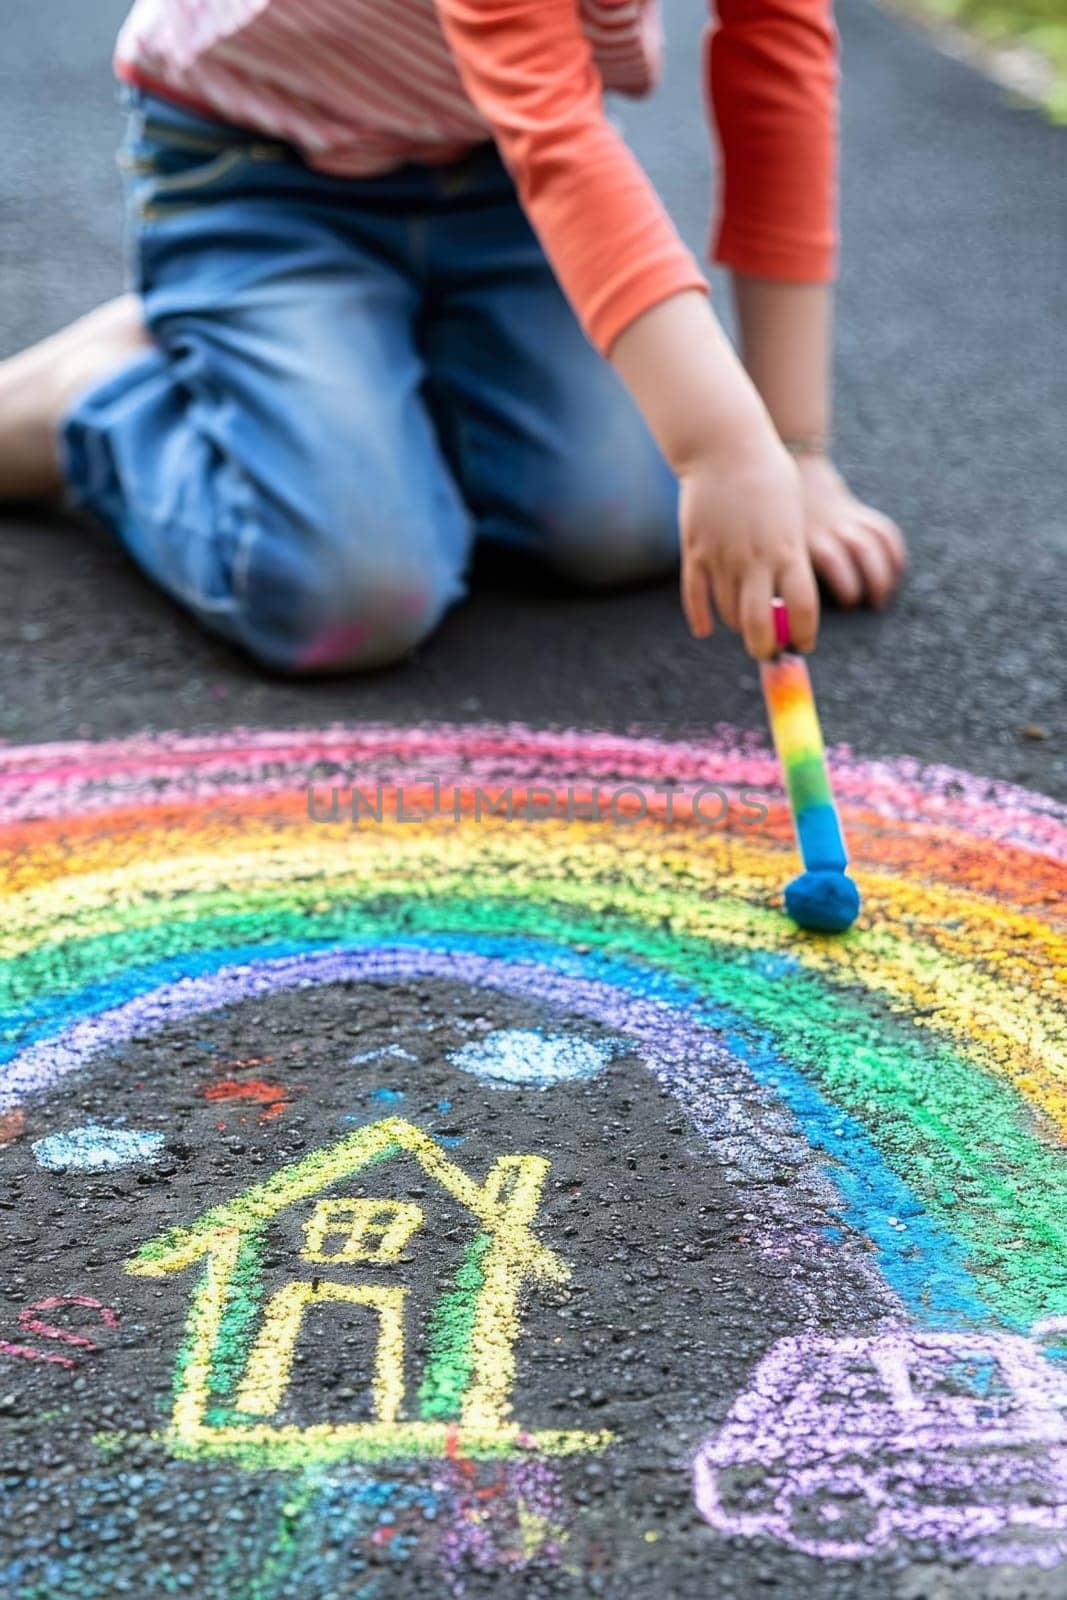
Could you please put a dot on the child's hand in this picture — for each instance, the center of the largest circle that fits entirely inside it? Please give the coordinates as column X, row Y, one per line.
column 742, row 526
column 857, row 552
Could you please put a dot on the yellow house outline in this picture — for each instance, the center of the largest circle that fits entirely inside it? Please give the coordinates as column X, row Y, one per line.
column 504, row 1206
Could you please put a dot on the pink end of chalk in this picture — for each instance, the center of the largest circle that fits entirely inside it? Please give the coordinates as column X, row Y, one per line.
column 780, row 613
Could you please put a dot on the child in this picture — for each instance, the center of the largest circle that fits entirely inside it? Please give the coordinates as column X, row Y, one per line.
column 381, row 248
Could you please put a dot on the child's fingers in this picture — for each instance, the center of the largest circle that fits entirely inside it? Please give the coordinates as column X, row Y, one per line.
column 875, row 566
column 695, row 599
column 757, row 623
column 797, row 587
column 835, row 566
column 891, row 538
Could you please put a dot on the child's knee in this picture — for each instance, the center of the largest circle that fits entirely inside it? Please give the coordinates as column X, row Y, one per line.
column 351, row 609
column 381, row 624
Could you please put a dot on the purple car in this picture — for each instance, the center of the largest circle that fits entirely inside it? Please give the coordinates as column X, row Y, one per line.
column 841, row 1446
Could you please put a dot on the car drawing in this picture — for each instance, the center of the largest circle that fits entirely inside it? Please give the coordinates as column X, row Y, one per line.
column 841, row 1446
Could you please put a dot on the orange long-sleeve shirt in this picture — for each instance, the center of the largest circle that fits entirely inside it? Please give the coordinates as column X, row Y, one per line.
column 362, row 85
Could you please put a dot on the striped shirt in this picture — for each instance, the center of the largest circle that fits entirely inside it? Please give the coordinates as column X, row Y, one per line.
column 362, row 86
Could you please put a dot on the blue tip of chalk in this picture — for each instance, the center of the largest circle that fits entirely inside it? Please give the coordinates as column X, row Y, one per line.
column 828, row 902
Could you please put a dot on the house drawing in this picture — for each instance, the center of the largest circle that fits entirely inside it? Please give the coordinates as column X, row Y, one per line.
column 233, row 1372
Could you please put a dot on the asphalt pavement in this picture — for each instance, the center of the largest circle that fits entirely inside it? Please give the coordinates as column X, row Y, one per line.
column 686, row 1270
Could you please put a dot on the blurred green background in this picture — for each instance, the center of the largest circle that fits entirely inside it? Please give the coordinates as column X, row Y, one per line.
column 1042, row 24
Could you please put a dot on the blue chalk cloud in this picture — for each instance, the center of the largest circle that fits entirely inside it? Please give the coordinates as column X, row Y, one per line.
column 95, row 1148
column 512, row 1058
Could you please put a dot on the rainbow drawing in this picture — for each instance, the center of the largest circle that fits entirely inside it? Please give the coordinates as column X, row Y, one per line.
column 917, row 1064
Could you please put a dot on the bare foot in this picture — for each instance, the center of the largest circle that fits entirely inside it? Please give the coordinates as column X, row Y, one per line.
column 38, row 386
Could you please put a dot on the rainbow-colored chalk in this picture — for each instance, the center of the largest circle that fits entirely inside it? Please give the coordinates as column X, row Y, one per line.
column 823, row 897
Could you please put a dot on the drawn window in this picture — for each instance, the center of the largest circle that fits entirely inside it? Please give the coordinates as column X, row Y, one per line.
column 348, row 1231
column 973, row 1386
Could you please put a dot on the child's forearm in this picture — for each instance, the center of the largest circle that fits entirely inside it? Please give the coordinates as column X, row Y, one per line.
column 687, row 380
column 739, row 506
column 785, row 340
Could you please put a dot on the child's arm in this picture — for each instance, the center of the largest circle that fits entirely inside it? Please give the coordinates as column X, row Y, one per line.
column 528, row 67
column 740, row 511
column 785, row 339
column 772, row 70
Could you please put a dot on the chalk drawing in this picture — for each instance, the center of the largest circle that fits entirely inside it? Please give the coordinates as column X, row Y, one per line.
column 12, row 1125
column 31, row 1321
column 387, row 1224
column 272, row 1098
column 466, row 1391
column 94, row 1148
column 921, row 1057
column 513, row 1056
column 839, row 1445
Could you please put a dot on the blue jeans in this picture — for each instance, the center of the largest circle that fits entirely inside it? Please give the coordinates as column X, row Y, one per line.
column 350, row 380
